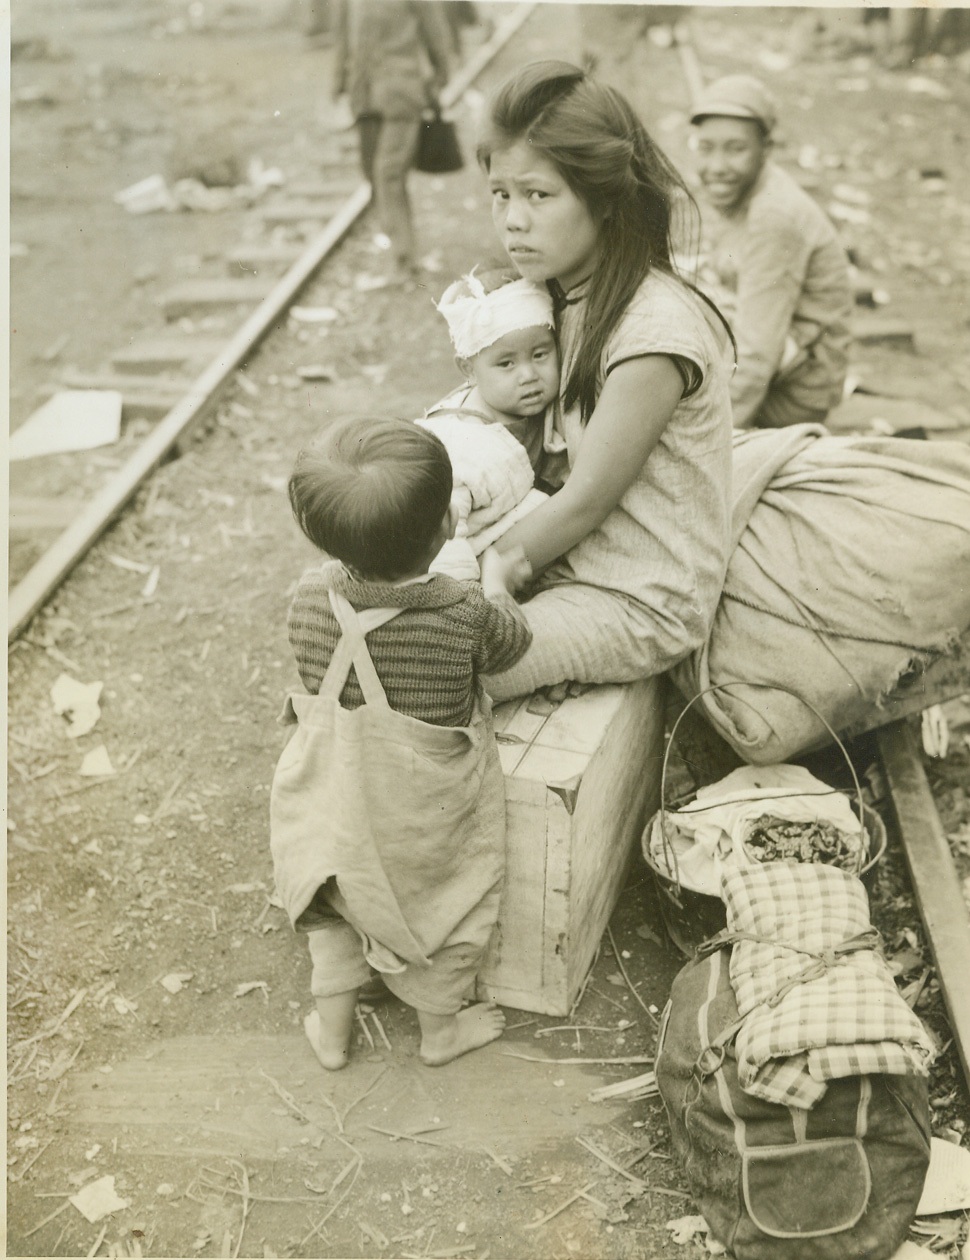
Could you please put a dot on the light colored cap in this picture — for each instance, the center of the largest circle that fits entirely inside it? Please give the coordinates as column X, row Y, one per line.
column 736, row 96
column 477, row 319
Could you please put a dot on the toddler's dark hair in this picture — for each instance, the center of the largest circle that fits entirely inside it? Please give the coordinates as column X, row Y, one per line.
column 373, row 494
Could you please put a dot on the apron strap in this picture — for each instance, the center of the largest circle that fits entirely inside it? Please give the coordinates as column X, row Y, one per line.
column 352, row 650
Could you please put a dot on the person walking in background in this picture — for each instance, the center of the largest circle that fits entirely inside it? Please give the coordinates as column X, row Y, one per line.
column 771, row 260
column 393, row 57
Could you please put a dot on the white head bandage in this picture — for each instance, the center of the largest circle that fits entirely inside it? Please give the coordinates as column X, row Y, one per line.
column 477, row 319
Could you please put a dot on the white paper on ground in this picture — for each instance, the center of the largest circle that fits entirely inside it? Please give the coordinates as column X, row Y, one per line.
column 98, row 1199
column 947, row 1185
column 73, row 420
column 78, row 701
column 96, row 762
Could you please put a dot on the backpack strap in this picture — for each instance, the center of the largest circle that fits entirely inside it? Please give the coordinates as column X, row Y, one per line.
column 352, row 650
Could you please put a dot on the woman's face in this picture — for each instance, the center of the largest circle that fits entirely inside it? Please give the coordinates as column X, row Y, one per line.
column 548, row 232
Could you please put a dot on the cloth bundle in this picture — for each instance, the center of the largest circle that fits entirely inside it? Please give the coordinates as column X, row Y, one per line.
column 709, row 833
column 844, row 1017
column 850, row 569
column 493, row 488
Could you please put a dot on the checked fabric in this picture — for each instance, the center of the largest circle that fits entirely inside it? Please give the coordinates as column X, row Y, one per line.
column 812, row 1014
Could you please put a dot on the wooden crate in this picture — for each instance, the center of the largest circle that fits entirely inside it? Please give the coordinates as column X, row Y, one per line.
column 580, row 784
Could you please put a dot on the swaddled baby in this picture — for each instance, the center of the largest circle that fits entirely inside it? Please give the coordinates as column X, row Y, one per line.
column 501, row 327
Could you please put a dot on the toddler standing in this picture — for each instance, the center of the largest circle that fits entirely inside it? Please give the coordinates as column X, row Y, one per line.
column 387, row 813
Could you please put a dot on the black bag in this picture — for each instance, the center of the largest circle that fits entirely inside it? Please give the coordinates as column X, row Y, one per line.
column 838, row 1182
column 438, row 149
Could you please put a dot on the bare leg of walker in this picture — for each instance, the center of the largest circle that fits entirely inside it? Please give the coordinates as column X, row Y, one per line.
column 329, row 1028
column 445, row 1037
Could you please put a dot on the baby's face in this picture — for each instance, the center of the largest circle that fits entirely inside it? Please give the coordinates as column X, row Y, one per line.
column 519, row 374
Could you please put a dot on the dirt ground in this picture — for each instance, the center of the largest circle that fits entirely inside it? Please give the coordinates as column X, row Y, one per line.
column 200, row 1096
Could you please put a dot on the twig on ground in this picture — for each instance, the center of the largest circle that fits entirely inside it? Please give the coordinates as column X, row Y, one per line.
column 336, row 1114
column 582, row 987
column 320, row 1224
column 543, row 1220
column 406, row 1137
column 535, row 1058
column 97, row 1242
column 360, row 1097
column 20, row 1071
column 253, row 1198
column 342, row 1175
column 504, row 1164
column 246, row 1202
column 629, row 982
column 52, row 1104
column 637, row 1156
column 380, row 1028
column 547, row 1032
column 40, row 1224
column 65, row 1015
column 27, row 1167
column 643, row 1086
column 166, row 800
column 287, row 1098
column 610, row 1163
column 606, row 998
column 366, row 1030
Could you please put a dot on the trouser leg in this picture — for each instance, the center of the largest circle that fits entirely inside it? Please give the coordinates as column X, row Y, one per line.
column 368, row 129
column 396, row 147
column 337, row 954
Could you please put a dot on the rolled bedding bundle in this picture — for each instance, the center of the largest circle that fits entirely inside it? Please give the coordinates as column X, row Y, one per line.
column 850, row 571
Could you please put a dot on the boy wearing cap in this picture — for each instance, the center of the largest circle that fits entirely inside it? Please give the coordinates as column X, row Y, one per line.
column 501, row 327
column 771, row 260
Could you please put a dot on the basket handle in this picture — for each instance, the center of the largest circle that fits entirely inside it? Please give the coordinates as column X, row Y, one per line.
column 669, row 855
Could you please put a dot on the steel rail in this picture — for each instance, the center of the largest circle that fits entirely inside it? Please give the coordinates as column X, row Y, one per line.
column 44, row 577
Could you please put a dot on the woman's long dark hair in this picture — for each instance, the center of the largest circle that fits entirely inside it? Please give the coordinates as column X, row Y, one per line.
column 603, row 151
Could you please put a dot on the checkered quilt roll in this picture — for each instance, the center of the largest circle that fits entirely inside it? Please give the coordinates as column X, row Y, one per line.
column 842, row 1016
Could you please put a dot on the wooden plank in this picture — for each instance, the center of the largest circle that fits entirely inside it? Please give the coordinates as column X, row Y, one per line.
column 879, row 330
column 936, row 884
column 258, row 256
column 300, row 210
column 193, row 297
column 340, row 183
column 166, row 354
column 170, row 387
column 31, row 513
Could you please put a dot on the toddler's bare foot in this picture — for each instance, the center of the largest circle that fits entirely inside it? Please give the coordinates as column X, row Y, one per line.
column 333, row 1051
column 444, row 1038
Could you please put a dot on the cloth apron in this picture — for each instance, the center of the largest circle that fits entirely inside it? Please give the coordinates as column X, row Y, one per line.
column 406, row 817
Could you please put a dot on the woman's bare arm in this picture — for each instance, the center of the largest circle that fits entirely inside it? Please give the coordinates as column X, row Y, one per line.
column 634, row 407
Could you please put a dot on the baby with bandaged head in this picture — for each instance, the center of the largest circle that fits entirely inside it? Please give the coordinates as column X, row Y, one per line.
column 501, row 327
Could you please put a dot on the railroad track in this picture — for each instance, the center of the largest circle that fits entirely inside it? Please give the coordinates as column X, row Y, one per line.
column 328, row 210
column 331, row 206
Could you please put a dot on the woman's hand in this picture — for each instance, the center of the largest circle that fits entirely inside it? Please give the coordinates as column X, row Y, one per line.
column 504, row 572
column 634, row 407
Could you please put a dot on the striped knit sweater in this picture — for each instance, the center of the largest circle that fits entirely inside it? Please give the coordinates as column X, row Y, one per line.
column 428, row 658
